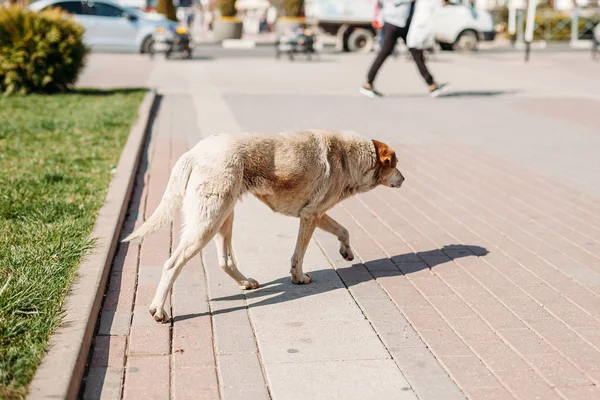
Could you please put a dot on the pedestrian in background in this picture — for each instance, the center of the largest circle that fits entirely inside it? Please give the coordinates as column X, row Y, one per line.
column 378, row 22
column 412, row 21
column 271, row 17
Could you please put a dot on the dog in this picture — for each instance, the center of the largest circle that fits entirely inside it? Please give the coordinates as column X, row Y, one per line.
column 300, row 174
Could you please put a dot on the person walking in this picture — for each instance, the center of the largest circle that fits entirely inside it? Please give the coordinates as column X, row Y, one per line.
column 412, row 21
column 271, row 17
column 377, row 23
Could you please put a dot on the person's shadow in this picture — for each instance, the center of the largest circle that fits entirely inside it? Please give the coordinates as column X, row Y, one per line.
column 324, row 280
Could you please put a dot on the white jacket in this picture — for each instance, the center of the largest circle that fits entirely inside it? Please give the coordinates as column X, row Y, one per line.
column 396, row 12
column 420, row 33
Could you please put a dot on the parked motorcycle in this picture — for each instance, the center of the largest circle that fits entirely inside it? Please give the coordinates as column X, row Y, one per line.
column 298, row 41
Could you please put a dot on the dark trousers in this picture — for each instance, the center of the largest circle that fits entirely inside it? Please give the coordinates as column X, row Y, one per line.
column 390, row 37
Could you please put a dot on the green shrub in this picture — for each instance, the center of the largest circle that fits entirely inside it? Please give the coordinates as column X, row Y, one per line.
column 552, row 25
column 227, row 8
column 293, row 8
column 167, row 8
column 39, row 52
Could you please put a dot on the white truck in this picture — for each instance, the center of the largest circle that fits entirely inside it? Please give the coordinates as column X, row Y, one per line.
column 458, row 26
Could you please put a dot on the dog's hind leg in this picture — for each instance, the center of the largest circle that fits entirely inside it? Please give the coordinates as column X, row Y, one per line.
column 181, row 255
column 307, row 228
column 201, row 223
column 330, row 225
column 227, row 259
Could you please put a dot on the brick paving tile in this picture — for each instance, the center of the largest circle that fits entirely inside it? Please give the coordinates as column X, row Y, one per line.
column 147, row 377
column 472, row 329
column 558, row 370
column 109, row 351
column 580, row 393
column 241, row 377
column 470, row 372
column 425, row 374
column 498, row 355
column 495, row 393
column 103, row 383
column 526, row 384
column 445, row 343
column 116, row 323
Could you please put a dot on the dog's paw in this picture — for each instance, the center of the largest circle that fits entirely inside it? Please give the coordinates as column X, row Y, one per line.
column 159, row 315
column 346, row 253
column 306, row 279
column 249, row 284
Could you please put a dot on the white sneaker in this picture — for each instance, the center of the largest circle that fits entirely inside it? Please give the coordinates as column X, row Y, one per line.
column 439, row 89
column 369, row 92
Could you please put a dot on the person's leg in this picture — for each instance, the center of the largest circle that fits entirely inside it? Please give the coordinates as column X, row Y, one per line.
column 435, row 89
column 419, row 58
column 390, row 37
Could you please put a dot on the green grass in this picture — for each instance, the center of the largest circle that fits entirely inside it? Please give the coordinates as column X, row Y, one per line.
column 56, row 157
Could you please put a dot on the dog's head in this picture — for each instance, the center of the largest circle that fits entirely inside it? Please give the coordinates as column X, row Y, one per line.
column 386, row 172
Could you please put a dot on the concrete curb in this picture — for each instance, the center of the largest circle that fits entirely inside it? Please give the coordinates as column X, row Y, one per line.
column 60, row 373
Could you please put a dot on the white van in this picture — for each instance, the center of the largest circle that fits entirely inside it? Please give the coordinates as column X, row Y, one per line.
column 459, row 25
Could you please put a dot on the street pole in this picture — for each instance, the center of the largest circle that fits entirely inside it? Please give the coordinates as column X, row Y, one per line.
column 512, row 20
column 574, row 23
column 531, row 4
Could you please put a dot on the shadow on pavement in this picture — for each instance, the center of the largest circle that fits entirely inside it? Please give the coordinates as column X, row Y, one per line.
column 325, row 280
column 454, row 94
column 194, row 58
column 477, row 93
column 106, row 92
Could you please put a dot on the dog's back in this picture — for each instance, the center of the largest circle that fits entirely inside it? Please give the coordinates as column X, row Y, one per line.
column 286, row 171
column 292, row 172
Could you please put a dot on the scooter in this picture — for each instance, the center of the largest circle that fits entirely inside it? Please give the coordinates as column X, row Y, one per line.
column 169, row 40
column 297, row 41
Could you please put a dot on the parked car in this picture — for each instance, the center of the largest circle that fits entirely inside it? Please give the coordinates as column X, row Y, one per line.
column 110, row 26
column 459, row 25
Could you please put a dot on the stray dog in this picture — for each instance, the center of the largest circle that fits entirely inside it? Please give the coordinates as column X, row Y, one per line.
column 299, row 174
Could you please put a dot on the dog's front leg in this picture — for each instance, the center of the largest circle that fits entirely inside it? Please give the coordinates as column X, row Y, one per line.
column 330, row 225
column 307, row 227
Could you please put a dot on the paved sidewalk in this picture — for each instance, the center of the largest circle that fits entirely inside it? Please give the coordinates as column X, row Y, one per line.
column 479, row 279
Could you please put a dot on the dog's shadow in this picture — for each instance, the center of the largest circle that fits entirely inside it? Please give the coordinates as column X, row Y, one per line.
column 282, row 290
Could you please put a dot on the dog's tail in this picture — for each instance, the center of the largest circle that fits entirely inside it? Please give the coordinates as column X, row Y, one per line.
column 170, row 202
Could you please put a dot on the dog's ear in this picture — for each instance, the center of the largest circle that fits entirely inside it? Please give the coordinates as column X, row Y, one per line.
column 387, row 156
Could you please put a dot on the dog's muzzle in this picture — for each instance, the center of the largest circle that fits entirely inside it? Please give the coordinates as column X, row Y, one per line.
column 397, row 181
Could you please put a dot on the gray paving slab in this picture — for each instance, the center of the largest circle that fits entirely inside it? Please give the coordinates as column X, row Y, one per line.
column 354, row 379
column 103, row 383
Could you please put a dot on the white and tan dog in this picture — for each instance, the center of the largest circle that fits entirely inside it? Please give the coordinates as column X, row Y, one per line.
column 299, row 174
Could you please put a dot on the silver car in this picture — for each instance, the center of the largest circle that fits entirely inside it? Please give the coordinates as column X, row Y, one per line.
column 110, row 26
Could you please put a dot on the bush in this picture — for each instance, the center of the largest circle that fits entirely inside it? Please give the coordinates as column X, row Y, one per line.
column 167, row 8
column 39, row 52
column 552, row 25
column 227, row 8
column 293, row 8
